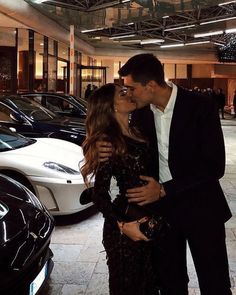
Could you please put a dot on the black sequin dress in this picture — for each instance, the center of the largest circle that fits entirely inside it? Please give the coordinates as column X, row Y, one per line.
column 131, row 267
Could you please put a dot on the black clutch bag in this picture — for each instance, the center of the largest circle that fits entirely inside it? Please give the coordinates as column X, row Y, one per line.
column 153, row 228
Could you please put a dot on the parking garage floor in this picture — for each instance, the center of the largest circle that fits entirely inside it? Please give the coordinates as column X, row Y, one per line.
column 79, row 257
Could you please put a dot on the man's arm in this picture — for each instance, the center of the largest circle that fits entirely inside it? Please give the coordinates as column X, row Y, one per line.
column 146, row 194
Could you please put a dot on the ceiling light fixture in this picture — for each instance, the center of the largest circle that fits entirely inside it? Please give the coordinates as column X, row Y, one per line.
column 178, row 28
column 172, row 45
column 228, row 31
column 129, row 41
column 219, row 44
column 39, row 1
column 197, row 43
column 217, row 20
column 125, row 1
column 151, row 41
column 123, row 36
column 165, row 16
column 208, row 34
column 92, row 30
column 226, row 3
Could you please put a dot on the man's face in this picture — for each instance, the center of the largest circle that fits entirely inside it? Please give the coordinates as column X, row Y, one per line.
column 141, row 94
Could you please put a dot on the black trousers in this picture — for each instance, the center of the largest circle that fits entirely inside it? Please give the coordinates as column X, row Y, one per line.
column 208, row 249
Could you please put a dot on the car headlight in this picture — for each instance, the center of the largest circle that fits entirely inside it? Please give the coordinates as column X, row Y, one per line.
column 3, row 210
column 60, row 168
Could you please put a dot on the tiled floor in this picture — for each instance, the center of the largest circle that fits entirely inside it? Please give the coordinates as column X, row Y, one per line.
column 80, row 262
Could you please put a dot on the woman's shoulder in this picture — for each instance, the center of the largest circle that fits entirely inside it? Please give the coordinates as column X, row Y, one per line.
column 134, row 140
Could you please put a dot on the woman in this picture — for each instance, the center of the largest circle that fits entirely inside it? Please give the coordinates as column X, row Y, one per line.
column 129, row 262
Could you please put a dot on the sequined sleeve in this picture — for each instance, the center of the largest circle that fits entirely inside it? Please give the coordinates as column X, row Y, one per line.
column 101, row 196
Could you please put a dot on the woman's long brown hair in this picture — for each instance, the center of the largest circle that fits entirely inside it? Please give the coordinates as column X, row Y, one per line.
column 100, row 124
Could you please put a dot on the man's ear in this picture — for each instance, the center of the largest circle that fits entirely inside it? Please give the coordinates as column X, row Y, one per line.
column 152, row 85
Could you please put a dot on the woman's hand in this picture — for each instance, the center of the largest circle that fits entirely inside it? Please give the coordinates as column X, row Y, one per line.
column 131, row 230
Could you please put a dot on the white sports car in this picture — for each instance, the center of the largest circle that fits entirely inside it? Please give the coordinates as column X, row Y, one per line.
column 48, row 167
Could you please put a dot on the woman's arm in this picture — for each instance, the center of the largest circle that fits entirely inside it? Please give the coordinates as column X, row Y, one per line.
column 101, row 196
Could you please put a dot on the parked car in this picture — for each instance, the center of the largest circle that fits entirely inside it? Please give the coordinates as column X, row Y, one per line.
column 30, row 119
column 48, row 167
column 25, row 232
column 62, row 104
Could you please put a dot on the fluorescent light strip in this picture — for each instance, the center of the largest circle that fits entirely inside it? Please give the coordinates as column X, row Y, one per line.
column 151, row 41
column 172, row 45
column 123, row 36
column 92, row 30
column 217, row 20
column 208, row 34
column 196, row 43
column 39, row 1
column 226, row 3
column 128, row 41
column 233, row 30
column 178, row 28
column 219, row 44
column 165, row 16
column 125, row 1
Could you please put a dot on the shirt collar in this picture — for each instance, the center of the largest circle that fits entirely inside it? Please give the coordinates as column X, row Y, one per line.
column 171, row 103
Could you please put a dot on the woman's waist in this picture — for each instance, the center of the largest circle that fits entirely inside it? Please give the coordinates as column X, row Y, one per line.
column 134, row 211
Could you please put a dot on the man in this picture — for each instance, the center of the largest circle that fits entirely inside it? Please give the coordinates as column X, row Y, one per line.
column 221, row 101
column 184, row 127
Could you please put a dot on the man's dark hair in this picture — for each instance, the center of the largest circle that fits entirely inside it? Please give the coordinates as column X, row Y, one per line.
column 144, row 68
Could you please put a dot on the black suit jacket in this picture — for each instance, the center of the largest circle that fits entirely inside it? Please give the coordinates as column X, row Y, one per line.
column 196, row 158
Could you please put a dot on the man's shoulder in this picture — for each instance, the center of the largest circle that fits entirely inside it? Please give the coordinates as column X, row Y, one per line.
column 192, row 96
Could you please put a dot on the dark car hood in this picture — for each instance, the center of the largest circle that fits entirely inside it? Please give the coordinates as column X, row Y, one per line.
column 64, row 120
column 24, row 226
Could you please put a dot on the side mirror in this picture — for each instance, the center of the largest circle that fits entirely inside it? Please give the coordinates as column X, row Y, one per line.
column 17, row 117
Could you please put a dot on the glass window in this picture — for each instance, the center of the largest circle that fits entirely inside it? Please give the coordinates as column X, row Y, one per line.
column 23, row 60
column 38, row 47
column 62, row 79
column 52, row 73
column 63, row 51
column 8, row 63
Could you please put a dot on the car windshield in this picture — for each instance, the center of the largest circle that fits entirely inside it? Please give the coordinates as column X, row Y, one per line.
column 32, row 109
column 81, row 101
column 11, row 141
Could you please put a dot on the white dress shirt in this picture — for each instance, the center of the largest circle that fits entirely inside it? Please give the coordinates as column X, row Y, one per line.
column 162, row 124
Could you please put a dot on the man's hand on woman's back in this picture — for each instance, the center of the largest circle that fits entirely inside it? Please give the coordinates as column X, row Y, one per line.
column 104, row 150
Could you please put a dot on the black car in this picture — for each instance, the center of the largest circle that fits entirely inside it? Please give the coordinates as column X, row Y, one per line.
column 31, row 119
column 25, row 233
column 62, row 104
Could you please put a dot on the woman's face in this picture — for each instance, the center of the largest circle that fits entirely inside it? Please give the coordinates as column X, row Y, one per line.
column 123, row 102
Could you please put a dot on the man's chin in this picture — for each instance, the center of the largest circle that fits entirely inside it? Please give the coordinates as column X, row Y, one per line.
column 141, row 105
